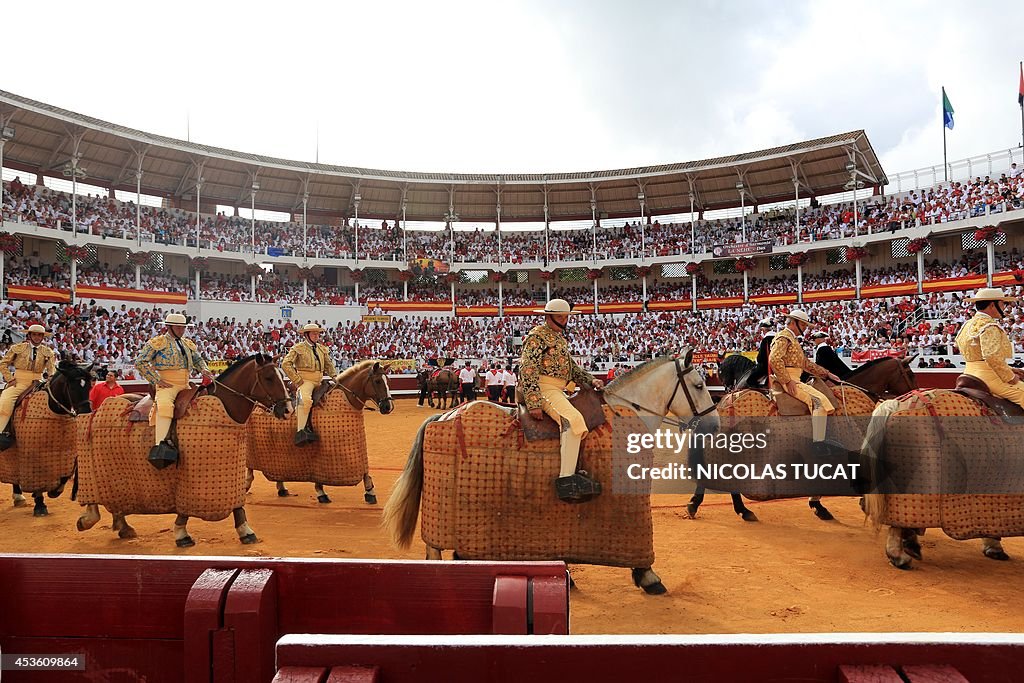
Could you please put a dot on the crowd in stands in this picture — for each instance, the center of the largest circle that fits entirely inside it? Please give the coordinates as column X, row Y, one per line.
column 110, row 335
column 106, row 216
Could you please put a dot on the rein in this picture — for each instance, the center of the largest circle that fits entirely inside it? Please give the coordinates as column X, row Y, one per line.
column 49, row 392
column 212, row 389
column 681, row 373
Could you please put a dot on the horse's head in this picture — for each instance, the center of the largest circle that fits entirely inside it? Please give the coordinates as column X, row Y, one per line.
column 367, row 382
column 258, row 379
column 69, row 388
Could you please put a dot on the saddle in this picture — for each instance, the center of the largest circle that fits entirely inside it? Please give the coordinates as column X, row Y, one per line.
column 789, row 406
column 584, row 399
column 144, row 403
column 36, row 386
column 320, row 393
column 973, row 388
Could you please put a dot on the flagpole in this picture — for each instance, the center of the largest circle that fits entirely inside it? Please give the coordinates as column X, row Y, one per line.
column 945, row 166
column 1020, row 99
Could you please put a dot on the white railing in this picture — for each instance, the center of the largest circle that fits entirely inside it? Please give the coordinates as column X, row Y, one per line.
column 962, row 169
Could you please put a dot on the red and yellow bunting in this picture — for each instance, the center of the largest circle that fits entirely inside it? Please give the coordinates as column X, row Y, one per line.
column 140, row 295
column 48, row 294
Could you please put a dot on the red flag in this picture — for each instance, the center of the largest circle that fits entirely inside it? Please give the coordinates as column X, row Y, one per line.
column 1020, row 90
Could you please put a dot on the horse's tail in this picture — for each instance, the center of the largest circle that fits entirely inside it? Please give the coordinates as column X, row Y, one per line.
column 871, row 451
column 403, row 506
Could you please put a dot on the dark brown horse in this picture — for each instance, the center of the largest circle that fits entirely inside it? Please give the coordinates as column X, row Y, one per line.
column 67, row 395
column 882, row 378
column 248, row 383
column 446, row 385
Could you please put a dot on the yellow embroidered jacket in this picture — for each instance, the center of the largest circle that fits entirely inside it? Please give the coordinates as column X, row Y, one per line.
column 787, row 352
column 163, row 353
column 20, row 356
column 302, row 357
column 546, row 352
column 982, row 339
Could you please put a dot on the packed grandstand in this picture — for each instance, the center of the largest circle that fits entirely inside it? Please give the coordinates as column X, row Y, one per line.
column 883, row 274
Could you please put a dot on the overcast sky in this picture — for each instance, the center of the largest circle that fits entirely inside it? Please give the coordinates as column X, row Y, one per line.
column 528, row 85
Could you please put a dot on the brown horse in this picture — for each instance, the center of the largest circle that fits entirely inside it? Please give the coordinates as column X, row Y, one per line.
column 209, row 480
column 947, row 462
column 881, row 378
column 446, row 385
column 43, row 457
column 339, row 458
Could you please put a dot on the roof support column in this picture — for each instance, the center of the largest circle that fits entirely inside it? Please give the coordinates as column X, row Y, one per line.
column 547, row 228
column 356, row 199
column 593, row 225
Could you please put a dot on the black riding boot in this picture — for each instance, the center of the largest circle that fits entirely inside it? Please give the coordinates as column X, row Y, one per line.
column 163, row 454
column 577, row 488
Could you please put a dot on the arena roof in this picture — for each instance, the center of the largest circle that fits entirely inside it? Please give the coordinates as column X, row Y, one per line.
column 48, row 137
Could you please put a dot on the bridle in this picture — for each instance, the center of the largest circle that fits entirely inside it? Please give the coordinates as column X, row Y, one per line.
column 362, row 401
column 211, row 390
column 681, row 373
column 69, row 410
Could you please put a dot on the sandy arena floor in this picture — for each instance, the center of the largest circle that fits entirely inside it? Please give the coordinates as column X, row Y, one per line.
column 789, row 573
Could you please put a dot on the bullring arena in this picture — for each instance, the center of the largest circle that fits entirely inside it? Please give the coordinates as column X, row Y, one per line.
column 675, row 273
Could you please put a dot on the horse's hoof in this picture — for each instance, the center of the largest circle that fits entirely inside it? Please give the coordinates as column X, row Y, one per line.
column 323, row 498
column 42, row 512
column 913, row 549
column 900, row 562
column 127, row 532
column 996, row 554
column 370, row 498
column 186, row 542
column 283, row 493
column 691, row 510
column 749, row 516
column 248, row 539
column 820, row 511
column 82, row 525
column 657, row 588
column 20, row 502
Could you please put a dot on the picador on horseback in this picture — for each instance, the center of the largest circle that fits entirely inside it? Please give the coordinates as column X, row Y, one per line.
column 31, row 358
column 787, row 361
column 306, row 365
column 166, row 361
column 986, row 347
column 546, row 369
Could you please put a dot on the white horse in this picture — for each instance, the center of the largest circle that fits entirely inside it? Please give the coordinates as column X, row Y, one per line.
column 663, row 386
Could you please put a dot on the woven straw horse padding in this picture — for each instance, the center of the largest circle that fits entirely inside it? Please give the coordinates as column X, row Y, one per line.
column 338, row 459
column 208, row 482
column 495, row 499
column 44, row 451
column 914, row 441
column 748, row 411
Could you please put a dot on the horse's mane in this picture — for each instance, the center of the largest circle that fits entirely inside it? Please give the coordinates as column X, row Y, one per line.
column 358, row 367
column 640, row 371
column 873, row 362
column 257, row 357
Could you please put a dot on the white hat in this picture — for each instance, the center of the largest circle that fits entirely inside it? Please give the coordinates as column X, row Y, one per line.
column 36, row 328
column 767, row 322
column 991, row 294
column 797, row 314
column 557, row 307
column 176, row 319
column 311, row 327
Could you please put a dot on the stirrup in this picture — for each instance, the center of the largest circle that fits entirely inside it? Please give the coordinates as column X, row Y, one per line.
column 305, row 436
column 828, row 448
column 6, row 441
column 163, row 454
column 577, row 488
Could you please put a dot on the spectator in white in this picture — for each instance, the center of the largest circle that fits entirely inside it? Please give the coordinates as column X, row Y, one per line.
column 509, row 380
column 495, row 381
column 467, row 378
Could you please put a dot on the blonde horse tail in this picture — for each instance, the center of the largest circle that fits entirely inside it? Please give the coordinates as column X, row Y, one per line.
column 874, row 437
column 403, row 506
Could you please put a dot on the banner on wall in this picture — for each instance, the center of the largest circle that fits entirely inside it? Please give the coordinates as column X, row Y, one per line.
column 873, row 354
column 700, row 357
column 429, row 264
column 376, row 318
column 400, row 365
column 742, row 248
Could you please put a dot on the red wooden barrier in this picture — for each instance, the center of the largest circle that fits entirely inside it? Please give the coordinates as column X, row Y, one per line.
column 809, row 658
column 218, row 618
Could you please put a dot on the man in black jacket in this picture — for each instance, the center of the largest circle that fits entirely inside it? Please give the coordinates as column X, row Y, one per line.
column 759, row 374
column 826, row 356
